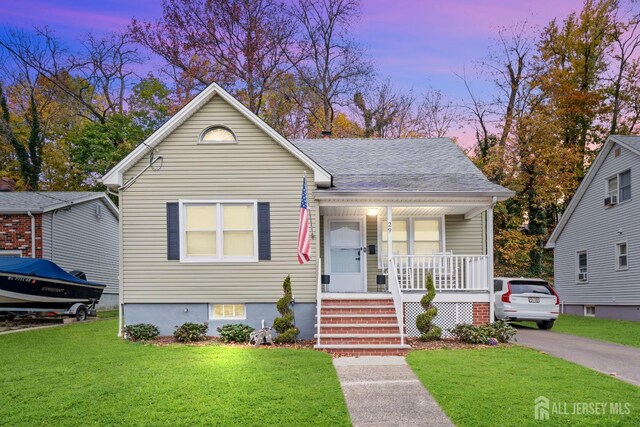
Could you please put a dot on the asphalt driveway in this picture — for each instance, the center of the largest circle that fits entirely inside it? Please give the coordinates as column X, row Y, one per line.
column 617, row 360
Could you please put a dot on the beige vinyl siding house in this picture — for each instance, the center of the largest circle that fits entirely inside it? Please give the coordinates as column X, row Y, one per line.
column 257, row 169
column 210, row 209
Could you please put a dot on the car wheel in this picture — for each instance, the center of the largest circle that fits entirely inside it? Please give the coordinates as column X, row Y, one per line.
column 81, row 314
column 546, row 324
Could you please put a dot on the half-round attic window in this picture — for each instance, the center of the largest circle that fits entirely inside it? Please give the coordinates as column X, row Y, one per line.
column 217, row 134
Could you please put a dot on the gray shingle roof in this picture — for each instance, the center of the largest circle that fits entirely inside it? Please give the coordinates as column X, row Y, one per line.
column 413, row 165
column 632, row 141
column 41, row 201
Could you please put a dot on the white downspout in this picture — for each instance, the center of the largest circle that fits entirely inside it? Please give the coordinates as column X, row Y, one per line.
column 120, row 270
column 33, row 234
column 490, row 258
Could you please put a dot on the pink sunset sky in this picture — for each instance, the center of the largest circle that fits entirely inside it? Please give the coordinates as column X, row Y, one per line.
column 416, row 43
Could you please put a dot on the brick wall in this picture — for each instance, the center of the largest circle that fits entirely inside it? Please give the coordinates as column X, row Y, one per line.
column 15, row 233
column 480, row 313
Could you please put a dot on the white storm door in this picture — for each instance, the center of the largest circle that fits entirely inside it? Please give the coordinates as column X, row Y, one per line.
column 345, row 256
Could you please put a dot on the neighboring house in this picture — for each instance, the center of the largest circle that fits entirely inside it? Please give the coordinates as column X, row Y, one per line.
column 76, row 230
column 209, row 212
column 597, row 241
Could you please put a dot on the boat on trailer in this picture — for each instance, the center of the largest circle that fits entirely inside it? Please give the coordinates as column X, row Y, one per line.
column 28, row 284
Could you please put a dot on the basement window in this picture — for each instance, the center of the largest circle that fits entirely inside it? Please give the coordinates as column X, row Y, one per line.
column 590, row 310
column 227, row 311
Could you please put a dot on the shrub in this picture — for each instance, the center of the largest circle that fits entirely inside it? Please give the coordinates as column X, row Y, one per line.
column 141, row 332
column 235, row 332
column 189, row 332
column 285, row 324
column 424, row 321
column 499, row 331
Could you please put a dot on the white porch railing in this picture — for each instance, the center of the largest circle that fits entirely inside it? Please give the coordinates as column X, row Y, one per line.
column 449, row 272
column 394, row 288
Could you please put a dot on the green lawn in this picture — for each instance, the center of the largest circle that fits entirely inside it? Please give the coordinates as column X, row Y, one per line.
column 618, row 331
column 497, row 387
column 107, row 314
column 82, row 374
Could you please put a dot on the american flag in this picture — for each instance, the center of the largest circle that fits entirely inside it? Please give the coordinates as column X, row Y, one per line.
column 304, row 239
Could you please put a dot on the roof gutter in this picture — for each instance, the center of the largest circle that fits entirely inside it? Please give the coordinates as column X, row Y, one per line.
column 499, row 196
column 33, row 234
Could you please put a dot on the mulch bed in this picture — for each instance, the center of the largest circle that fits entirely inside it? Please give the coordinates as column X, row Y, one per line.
column 163, row 341
column 415, row 344
column 452, row 344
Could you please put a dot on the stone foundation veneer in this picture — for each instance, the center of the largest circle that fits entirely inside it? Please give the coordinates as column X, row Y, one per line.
column 480, row 313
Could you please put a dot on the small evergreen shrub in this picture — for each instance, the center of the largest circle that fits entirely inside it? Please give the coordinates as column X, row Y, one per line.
column 285, row 324
column 190, row 332
column 500, row 331
column 141, row 332
column 424, row 321
column 235, row 332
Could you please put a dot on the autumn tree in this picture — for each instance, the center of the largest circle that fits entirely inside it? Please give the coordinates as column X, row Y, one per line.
column 240, row 44
column 326, row 58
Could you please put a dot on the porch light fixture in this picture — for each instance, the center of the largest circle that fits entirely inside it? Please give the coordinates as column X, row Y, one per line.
column 372, row 212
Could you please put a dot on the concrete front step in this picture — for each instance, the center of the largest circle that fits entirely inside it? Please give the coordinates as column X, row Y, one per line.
column 346, row 350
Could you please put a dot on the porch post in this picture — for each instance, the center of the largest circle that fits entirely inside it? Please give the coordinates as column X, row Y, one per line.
column 389, row 238
column 490, row 258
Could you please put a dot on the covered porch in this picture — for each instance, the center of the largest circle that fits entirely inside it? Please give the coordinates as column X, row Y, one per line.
column 376, row 246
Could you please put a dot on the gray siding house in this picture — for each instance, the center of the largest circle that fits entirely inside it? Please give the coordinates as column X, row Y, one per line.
column 210, row 207
column 597, row 241
column 76, row 230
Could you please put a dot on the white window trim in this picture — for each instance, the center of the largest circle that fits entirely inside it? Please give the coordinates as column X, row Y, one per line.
column 620, row 187
column 617, row 193
column 410, row 241
column 219, row 232
column 577, row 266
column 212, row 317
column 589, row 314
column 213, row 126
column 11, row 252
column 617, row 252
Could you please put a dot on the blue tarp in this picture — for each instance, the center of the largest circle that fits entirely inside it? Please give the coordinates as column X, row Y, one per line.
column 39, row 268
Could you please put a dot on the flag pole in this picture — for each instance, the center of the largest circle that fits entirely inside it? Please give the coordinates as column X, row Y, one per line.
column 313, row 234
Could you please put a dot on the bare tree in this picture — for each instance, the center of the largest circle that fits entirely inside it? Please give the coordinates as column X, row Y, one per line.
column 626, row 40
column 435, row 114
column 384, row 111
column 96, row 78
column 328, row 61
column 508, row 63
column 238, row 43
column 480, row 113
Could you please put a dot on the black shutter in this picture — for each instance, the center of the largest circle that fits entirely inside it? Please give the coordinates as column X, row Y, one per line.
column 264, row 231
column 173, row 231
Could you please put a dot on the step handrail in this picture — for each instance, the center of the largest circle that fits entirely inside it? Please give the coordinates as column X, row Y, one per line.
column 396, row 293
column 318, row 301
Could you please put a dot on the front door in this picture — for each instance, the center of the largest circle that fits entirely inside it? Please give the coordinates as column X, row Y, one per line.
column 345, row 255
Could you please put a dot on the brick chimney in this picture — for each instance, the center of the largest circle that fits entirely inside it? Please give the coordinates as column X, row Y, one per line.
column 7, row 184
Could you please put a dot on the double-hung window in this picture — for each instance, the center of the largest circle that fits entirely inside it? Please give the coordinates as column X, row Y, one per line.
column 622, row 256
column 218, row 231
column 582, row 266
column 411, row 236
column 619, row 187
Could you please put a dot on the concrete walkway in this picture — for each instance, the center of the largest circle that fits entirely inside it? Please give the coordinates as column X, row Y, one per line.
column 384, row 391
column 617, row 360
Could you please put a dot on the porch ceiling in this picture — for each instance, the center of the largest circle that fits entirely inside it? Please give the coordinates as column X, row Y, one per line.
column 398, row 211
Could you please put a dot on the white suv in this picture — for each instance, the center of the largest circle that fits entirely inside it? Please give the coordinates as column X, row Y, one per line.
column 519, row 299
